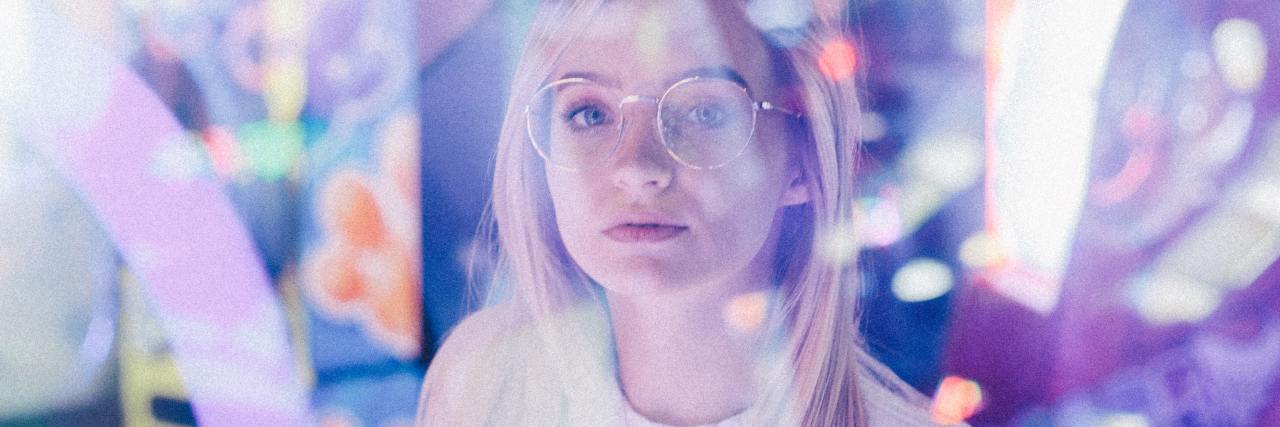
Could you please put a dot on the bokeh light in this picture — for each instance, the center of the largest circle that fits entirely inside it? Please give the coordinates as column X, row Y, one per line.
column 981, row 250
column 272, row 149
column 1240, row 49
column 838, row 60
column 840, row 245
column 1125, row 420
column 746, row 313
column 922, row 279
column 1170, row 298
column 872, row 126
column 882, row 219
column 956, row 399
column 951, row 161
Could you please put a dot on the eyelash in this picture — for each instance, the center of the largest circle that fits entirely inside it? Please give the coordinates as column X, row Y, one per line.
column 578, row 108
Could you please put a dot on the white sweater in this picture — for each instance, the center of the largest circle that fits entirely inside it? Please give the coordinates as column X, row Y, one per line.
column 494, row 371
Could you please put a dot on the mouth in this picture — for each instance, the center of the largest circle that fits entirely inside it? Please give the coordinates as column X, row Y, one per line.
column 637, row 232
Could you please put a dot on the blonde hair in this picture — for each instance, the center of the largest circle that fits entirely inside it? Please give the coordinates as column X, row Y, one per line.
column 534, row 269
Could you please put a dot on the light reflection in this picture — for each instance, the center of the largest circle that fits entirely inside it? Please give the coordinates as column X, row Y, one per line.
column 746, row 313
column 936, row 167
column 882, row 218
column 839, row 59
column 872, row 126
column 1171, row 298
column 839, row 245
column 1241, row 52
column 922, row 279
column 771, row 15
column 1190, row 277
column 982, row 250
column 952, row 161
column 1125, row 420
column 1044, row 116
column 1228, row 138
column 956, row 400
column 1262, row 199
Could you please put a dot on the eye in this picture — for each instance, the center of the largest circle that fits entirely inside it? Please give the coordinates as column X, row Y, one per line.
column 587, row 116
column 707, row 115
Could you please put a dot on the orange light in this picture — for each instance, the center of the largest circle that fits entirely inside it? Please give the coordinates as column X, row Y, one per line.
column 746, row 313
column 957, row 400
column 839, row 59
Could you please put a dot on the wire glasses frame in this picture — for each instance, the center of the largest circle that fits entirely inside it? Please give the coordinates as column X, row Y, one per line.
column 692, row 118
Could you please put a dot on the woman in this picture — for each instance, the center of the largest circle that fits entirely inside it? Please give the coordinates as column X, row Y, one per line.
column 663, row 173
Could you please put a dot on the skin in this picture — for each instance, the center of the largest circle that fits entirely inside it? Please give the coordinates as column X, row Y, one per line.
column 679, row 361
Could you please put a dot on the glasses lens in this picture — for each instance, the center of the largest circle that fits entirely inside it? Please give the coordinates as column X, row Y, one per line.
column 706, row 122
column 574, row 123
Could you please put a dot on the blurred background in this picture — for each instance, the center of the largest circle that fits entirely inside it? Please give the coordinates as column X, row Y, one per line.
column 259, row 212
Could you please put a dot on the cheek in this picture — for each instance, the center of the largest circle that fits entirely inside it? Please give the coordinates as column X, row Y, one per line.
column 745, row 198
column 571, row 203
column 753, row 180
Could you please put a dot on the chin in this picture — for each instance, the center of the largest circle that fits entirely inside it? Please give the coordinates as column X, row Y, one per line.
column 639, row 279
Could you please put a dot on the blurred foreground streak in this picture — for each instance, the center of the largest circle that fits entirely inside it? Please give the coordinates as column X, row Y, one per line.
column 244, row 177
column 1133, row 270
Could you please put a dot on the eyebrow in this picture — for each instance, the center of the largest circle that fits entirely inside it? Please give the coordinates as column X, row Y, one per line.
column 723, row 72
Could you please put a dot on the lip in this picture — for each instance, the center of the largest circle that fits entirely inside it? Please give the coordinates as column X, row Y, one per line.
column 644, row 228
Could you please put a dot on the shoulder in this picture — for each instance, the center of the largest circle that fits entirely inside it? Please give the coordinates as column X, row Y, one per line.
column 472, row 369
column 496, row 368
column 888, row 399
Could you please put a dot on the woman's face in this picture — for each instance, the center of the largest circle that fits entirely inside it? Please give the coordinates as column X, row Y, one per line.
column 641, row 222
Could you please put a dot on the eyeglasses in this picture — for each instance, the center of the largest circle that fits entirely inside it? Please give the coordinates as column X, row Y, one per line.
column 703, row 122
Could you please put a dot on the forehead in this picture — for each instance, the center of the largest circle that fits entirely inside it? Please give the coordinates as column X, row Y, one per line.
column 643, row 45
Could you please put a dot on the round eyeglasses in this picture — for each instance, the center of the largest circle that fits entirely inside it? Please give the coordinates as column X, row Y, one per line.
column 703, row 122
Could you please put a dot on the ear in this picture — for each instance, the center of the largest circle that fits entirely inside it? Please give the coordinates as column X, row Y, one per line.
column 797, row 191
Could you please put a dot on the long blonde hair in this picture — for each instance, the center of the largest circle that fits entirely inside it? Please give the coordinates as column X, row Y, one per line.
column 819, row 293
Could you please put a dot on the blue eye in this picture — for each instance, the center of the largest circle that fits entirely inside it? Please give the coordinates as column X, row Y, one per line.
column 707, row 115
column 587, row 116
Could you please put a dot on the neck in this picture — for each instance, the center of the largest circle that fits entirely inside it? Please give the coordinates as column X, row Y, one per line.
column 688, row 357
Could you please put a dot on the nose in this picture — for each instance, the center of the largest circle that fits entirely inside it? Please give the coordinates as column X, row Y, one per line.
column 641, row 163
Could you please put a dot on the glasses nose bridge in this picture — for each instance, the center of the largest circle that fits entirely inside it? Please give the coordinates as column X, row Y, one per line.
column 647, row 126
column 638, row 99
column 648, row 123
